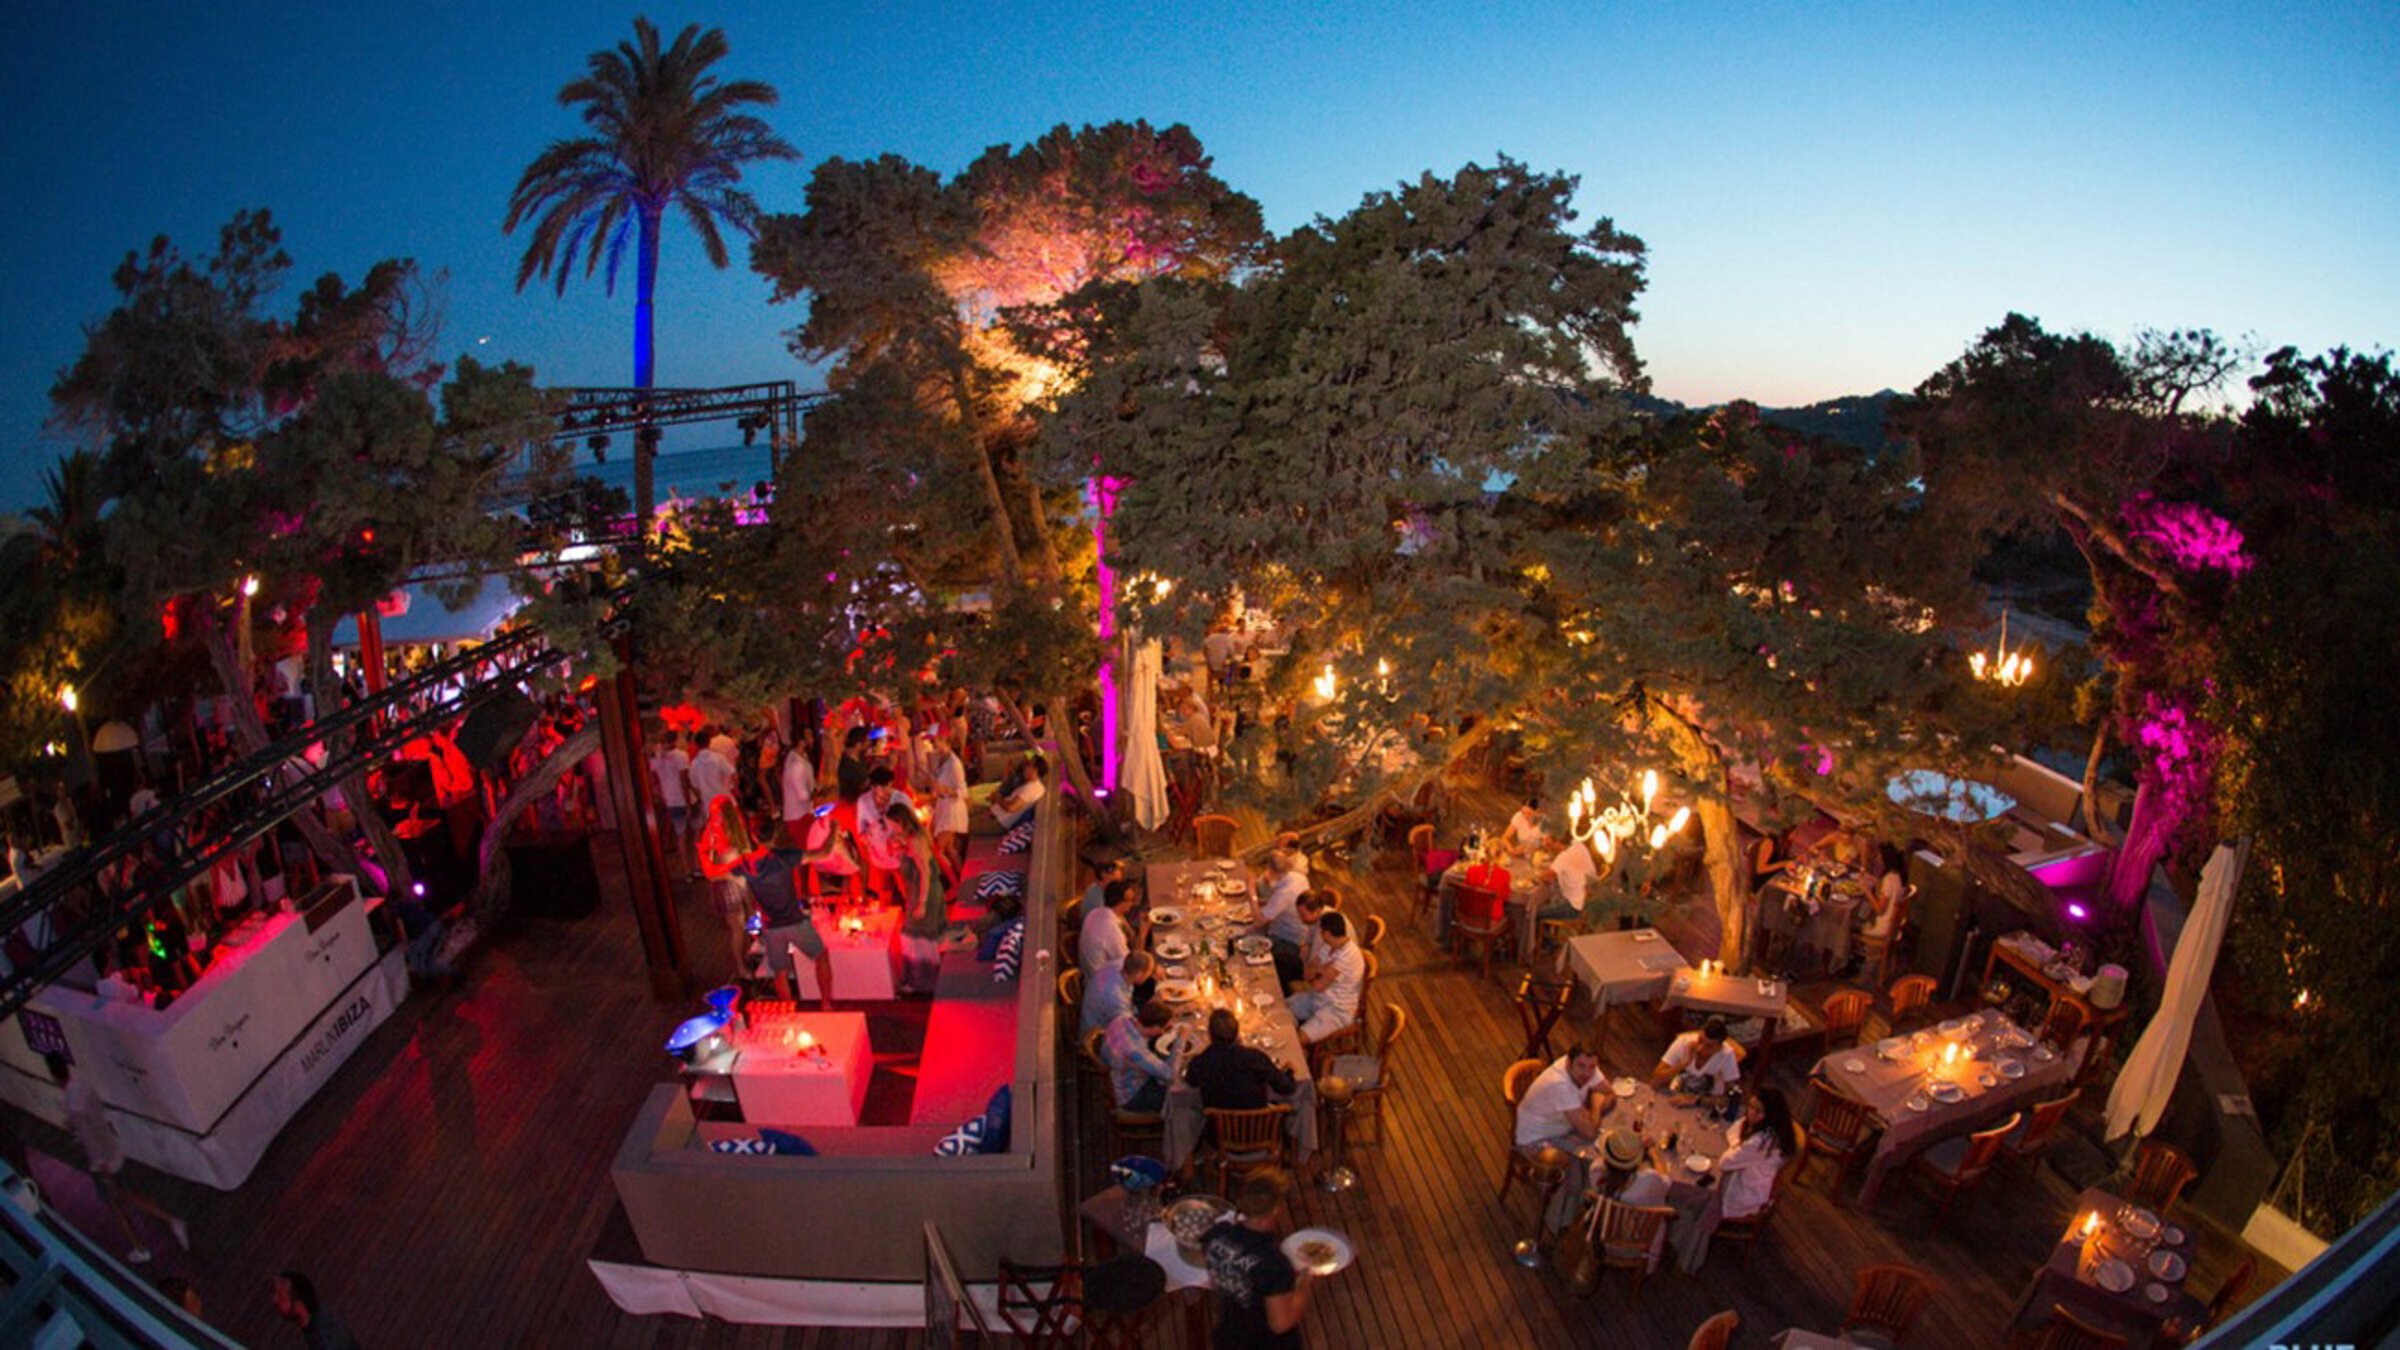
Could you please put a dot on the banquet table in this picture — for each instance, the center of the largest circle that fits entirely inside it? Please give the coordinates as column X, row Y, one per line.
column 1206, row 919
column 1986, row 1041
column 777, row 1084
column 2137, row 1313
column 862, row 960
column 1624, row 967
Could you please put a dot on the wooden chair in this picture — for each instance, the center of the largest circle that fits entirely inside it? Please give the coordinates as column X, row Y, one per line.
column 1370, row 1075
column 1070, row 990
column 1956, row 1166
column 1887, row 1300
column 1845, row 1014
column 2040, row 1130
column 1212, row 836
column 1370, row 934
column 1039, row 1304
column 1143, row 1132
column 2062, row 1026
column 1517, row 1167
column 1540, row 1005
column 1623, row 1236
column 1247, row 1141
column 2160, row 1172
column 1420, row 852
column 1716, row 1333
column 2066, row 1331
column 1909, row 994
column 1839, row 1127
column 1751, row 1229
column 1486, row 928
column 2227, row 1295
column 1875, row 953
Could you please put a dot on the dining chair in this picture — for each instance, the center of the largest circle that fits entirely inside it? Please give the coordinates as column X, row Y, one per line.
column 1886, row 1301
column 2033, row 1138
column 1845, row 1014
column 2160, row 1172
column 1420, row 854
column 2063, row 1025
column 1957, row 1165
column 1911, row 993
column 1516, row 1166
column 1875, row 952
column 1480, row 922
column 1070, row 989
column 1039, row 1304
column 1370, row 1074
column 1247, row 1141
column 1370, row 933
column 1716, row 1333
column 1751, row 1229
column 1540, row 1005
column 1333, row 1045
column 2228, row 1294
column 2066, row 1331
column 1840, row 1127
column 1212, row 836
column 1624, row 1238
column 1143, row 1132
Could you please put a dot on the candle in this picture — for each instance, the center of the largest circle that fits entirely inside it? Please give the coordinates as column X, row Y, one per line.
column 2091, row 1223
column 805, row 1040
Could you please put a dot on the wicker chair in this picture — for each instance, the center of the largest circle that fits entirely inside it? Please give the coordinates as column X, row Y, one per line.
column 1247, row 1141
column 1956, row 1166
column 1716, row 1333
column 2160, row 1172
column 1840, row 1127
column 1887, row 1300
column 1213, row 836
column 1370, row 1075
column 1623, row 1237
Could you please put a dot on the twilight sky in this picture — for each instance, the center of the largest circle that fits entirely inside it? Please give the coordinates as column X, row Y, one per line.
column 1835, row 202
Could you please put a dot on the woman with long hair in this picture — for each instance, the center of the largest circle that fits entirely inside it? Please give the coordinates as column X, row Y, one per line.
column 726, row 852
column 924, row 908
column 1767, row 1141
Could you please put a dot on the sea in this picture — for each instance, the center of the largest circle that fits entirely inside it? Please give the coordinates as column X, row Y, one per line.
column 722, row 471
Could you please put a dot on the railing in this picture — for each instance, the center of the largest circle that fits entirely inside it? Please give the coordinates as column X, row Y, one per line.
column 64, row 1290
column 2350, row 1296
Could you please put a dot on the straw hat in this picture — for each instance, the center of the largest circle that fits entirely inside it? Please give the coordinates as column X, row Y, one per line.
column 1621, row 1148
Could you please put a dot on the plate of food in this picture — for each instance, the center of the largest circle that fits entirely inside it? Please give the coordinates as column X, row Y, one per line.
column 1165, row 1044
column 1948, row 1092
column 1251, row 944
column 1698, row 1163
column 1165, row 918
column 1172, row 949
column 1178, row 991
column 1233, row 886
column 1854, row 1065
column 1623, row 1087
column 2166, row 1265
column 2113, row 1275
column 1258, row 958
column 1319, row 1251
column 1262, row 1000
column 1175, row 972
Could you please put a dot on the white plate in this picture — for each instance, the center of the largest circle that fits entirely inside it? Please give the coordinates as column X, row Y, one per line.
column 1234, row 887
column 1165, row 918
column 1988, row 1080
column 2142, row 1224
column 2113, row 1275
column 1920, row 1102
column 1165, row 1043
column 2012, row 1069
column 1953, row 1029
column 1262, row 1000
column 2156, row 1293
column 1854, row 1065
column 1172, row 949
column 2044, row 1054
column 2172, row 1236
column 1623, row 1087
column 1178, row 991
column 1646, row 935
column 1946, row 1091
column 1258, row 958
column 1343, row 1252
column 1698, row 1163
column 2167, row 1265
column 1890, row 1047
column 1176, row 972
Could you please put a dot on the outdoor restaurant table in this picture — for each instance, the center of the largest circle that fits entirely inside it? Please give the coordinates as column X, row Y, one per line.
column 1203, row 916
column 2032, row 959
column 862, row 960
column 2134, row 1314
column 1826, row 931
column 778, row 1085
column 1623, row 967
column 1886, row 1086
column 1651, row 1113
column 1731, row 996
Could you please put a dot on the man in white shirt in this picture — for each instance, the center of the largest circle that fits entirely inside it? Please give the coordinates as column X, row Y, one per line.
column 877, row 838
column 799, row 793
column 1572, row 873
column 1557, row 1106
column 1018, row 805
column 712, row 774
column 1279, row 887
column 1221, row 647
column 1700, row 1061
column 1330, row 1003
column 1108, row 933
column 671, row 767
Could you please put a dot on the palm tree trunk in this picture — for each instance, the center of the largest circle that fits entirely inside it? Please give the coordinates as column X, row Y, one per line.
column 645, row 363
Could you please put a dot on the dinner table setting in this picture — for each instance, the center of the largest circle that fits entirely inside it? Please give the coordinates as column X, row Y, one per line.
column 1941, row 1082
column 2119, row 1267
column 1812, row 907
column 1693, row 1133
column 1202, row 914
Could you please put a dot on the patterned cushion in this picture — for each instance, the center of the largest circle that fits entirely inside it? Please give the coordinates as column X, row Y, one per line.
column 781, row 1142
column 1012, row 951
column 996, row 883
column 987, row 1133
column 753, row 1144
column 1018, row 839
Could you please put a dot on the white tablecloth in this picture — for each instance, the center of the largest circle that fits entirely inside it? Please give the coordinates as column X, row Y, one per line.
column 1623, row 967
column 779, row 1086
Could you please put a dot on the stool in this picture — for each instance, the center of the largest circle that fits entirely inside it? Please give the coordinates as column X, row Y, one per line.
column 1549, row 1173
column 1118, row 1295
column 1335, row 1094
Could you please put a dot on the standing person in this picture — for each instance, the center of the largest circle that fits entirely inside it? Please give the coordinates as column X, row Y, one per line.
column 924, row 909
column 725, row 854
column 1260, row 1296
column 671, row 766
column 712, row 774
column 104, row 1157
column 850, row 776
column 799, row 791
column 787, row 924
column 950, row 805
column 296, row 1301
column 877, row 840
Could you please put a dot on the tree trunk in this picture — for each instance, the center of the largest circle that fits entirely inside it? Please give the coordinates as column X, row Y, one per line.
column 1720, row 839
column 645, row 454
column 250, row 734
column 1046, row 553
column 2144, row 844
column 327, row 692
column 1005, row 534
column 2101, row 830
column 491, row 853
column 1363, row 815
column 1070, row 762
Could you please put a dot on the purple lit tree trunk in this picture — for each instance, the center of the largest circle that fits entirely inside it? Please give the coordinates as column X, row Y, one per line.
column 2145, row 842
column 645, row 365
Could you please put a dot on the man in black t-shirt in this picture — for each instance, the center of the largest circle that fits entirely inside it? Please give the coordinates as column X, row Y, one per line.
column 784, row 922
column 1260, row 1297
column 1232, row 1076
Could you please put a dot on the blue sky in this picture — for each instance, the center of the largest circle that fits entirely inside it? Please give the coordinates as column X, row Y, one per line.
column 1836, row 200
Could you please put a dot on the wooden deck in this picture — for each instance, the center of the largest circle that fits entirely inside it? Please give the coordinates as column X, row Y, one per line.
column 447, row 1186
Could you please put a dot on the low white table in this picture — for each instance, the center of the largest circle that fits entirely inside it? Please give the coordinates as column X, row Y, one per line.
column 862, row 961
column 779, row 1085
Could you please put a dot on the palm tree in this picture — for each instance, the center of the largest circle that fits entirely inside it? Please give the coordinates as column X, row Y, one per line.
column 666, row 133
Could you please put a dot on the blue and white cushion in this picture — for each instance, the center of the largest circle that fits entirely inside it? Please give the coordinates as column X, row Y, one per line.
column 987, row 1133
column 1018, row 839
column 1012, row 952
column 999, row 882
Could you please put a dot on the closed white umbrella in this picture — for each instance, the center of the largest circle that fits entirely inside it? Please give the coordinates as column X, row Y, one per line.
column 1143, row 775
column 2142, row 1088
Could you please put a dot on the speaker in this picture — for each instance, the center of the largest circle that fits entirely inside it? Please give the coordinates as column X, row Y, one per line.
column 493, row 727
column 1943, row 913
